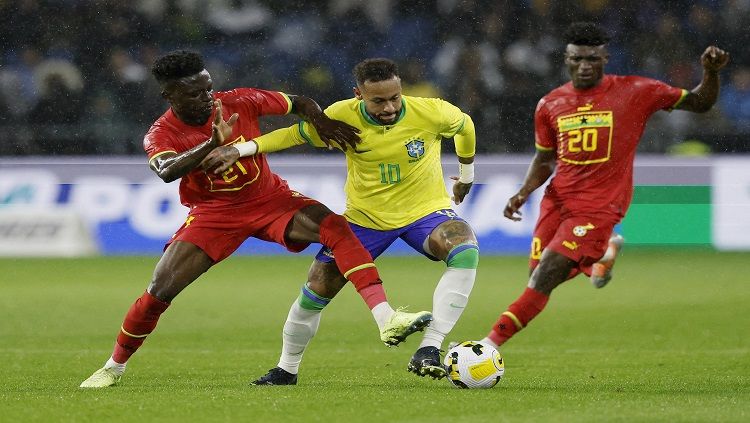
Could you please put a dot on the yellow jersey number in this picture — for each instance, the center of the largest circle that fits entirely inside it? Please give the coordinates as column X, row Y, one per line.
column 582, row 140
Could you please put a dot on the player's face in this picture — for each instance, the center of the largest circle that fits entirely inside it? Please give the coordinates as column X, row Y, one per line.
column 382, row 99
column 191, row 97
column 585, row 65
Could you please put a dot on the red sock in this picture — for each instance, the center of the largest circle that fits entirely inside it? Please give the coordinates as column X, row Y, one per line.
column 139, row 322
column 518, row 315
column 352, row 259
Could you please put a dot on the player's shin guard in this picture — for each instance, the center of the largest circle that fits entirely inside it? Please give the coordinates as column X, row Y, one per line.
column 300, row 327
column 518, row 315
column 139, row 322
column 352, row 259
column 452, row 293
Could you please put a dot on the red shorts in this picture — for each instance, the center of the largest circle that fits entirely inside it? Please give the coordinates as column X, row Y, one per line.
column 219, row 231
column 582, row 237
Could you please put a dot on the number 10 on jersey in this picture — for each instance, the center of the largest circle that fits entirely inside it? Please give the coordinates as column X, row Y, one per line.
column 390, row 173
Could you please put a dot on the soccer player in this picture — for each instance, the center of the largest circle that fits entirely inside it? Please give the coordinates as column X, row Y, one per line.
column 394, row 189
column 245, row 200
column 586, row 133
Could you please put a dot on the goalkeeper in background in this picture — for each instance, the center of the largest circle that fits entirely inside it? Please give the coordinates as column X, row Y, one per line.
column 395, row 189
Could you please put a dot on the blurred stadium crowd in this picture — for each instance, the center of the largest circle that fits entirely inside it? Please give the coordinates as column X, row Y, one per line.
column 74, row 74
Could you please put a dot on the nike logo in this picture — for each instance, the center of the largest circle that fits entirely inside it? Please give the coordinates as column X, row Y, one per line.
column 293, row 335
column 454, row 305
column 362, row 151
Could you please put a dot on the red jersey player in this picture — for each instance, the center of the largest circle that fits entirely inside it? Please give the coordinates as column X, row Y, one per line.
column 246, row 200
column 587, row 130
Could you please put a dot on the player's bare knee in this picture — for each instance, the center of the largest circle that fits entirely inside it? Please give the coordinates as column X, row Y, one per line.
column 449, row 235
column 553, row 269
column 325, row 279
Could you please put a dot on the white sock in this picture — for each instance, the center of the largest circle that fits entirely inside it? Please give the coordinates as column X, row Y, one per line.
column 300, row 327
column 491, row 342
column 382, row 313
column 115, row 366
column 448, row 302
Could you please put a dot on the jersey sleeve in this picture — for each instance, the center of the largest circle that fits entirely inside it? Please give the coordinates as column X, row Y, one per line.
column 459, row 126
column 309, row 135
column 656, row 95
column 280, row 139
column 156, row 143
column 453, row 119
column 264, row 102
column 544, row 132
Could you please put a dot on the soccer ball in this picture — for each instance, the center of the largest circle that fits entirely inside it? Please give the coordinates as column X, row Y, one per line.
column 474, row 364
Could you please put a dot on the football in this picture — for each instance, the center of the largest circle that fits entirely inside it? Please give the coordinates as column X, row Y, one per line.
column 474, row 364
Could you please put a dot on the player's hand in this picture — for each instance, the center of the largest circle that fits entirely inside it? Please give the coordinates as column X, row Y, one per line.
column 220, row 159
column 223, row 128
column 334, row 131
column 513, row 208
column 460, row 190
column 714, row 58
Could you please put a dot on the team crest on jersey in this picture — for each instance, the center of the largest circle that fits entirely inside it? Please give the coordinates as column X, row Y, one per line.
column 582, row 230
column 415, row 148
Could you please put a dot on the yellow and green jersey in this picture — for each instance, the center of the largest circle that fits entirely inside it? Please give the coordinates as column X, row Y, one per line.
column 395, row 176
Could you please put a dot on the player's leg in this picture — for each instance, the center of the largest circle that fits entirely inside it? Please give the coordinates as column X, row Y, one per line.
column 180, row 265
column 324, row 282
column 553, row 269
column 318, row 224
column 451, row 240
column 575, row 244
column 601, row 271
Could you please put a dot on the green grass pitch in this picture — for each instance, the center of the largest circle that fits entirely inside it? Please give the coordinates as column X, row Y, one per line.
column 668, row 340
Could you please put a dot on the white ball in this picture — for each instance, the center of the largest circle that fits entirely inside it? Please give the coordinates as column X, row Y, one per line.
column 474, row 364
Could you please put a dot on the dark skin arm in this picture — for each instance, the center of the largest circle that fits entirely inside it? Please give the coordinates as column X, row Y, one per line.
column 172, row 166
column 540, row 169
column 221, row 159
column 330, row 131
column 702, row 97
column 461, row 190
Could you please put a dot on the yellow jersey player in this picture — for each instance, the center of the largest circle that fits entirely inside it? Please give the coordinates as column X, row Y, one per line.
column 394, row 189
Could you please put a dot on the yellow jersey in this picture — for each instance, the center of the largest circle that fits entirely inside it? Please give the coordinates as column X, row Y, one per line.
column 395, row 175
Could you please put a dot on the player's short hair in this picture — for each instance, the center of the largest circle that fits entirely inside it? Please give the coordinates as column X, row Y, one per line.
column 177, row 64
column 585, row 34
column 375, row 70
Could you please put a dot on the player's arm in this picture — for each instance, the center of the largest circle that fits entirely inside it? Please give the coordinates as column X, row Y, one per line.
column 222, row 158
column 328, row 129
column 171, row 166
column 540, row 169
column 466, row 142
column 701, row 98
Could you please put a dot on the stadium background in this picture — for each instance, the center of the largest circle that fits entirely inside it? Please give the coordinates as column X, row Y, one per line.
column 76, row 97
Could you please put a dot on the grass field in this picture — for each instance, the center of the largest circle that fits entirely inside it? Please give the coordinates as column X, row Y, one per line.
column 668, row 340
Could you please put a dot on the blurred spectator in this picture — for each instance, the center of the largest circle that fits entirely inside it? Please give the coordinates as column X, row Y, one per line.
column 495, row 58
column 735, row 99
column 18, row 85
column 55, row 117
column 414, row 80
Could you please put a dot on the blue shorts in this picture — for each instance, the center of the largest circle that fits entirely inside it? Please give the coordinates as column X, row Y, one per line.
column 414, row 234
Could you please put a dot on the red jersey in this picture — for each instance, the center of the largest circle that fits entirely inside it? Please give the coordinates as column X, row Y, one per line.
column 595, row 133
column 250, row 178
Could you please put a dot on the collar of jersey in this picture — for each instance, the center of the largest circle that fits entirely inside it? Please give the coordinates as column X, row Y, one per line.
column 603, row 86
column 372, row 121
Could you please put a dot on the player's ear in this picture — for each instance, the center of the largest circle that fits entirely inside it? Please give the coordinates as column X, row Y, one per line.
column 357, row 93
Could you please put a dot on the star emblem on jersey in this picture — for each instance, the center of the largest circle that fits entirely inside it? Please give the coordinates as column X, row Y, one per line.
column 415, row 148
column 582, row 230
